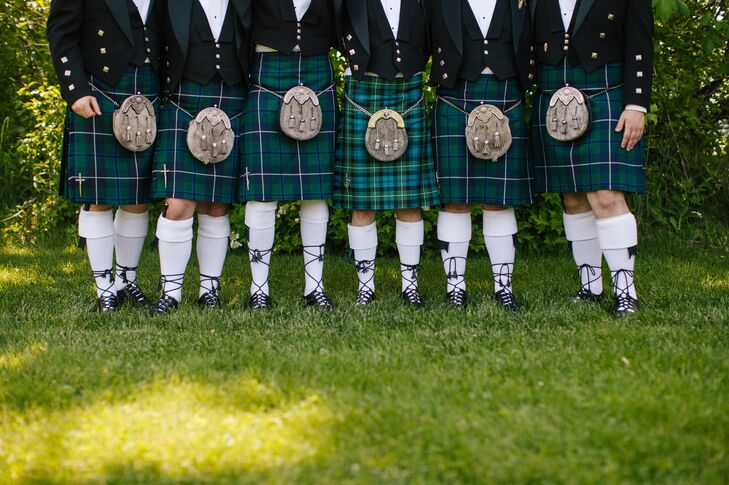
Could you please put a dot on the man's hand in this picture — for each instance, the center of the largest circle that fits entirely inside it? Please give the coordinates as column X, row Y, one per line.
column 632, row 124
column 86, row 107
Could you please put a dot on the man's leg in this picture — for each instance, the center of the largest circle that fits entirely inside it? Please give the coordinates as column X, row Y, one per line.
column 314, row 217
column 499, row 231
column 131, row 226
column 213, row 235
column 363, row 242
column 454, row 237
column 409, row 235
column 261, row 224
column 96, row 225
column 580, row 227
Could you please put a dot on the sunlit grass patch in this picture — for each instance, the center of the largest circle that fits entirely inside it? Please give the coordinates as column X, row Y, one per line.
column 17, row 276
column 182, row 430
column 13, row 359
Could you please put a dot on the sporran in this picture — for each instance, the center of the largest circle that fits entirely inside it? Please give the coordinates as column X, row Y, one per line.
column 300, row 115
column 568, row 115
column 386, row 138
column 135, row 124
column 210, row 137
column 488, row 134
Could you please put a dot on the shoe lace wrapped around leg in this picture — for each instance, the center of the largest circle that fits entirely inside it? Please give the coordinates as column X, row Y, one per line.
column 317, row 255
column 590, row 274
column 107, row 295
column 454, row 279
column 410, row 275
column 623, row 282
column 257, row 257
column 366, row 291
column 211, row 284
column 166, row 301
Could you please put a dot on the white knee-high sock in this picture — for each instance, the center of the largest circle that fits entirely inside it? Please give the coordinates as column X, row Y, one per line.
column 581, row 231
column 314, row 217
column 363, row 241
column 409, row 237
column 98, row 229
column 212, row 246
column 261, row 223
column 175, row 247
column 619, row 242
column 454, row 234
column 130, row 231
column 499, row 229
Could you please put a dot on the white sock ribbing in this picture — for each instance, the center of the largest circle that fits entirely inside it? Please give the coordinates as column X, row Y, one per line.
column 98, row 229
column 619, row 240
column 175, row 247
column 409, row 237
column 212, row 246
column 314, row 217
column 261, row 223
column 581, row 231
column 499, row 228
column 455, row 232
column 363, row 241
column 130, row 231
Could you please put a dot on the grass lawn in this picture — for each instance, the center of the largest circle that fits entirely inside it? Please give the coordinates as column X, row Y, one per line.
column 556, row 393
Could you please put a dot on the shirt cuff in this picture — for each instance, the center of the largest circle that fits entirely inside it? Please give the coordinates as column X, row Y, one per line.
column 635, row 107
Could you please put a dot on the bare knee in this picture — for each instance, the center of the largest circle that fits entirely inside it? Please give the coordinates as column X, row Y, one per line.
column 98, row 208
column 135, row 209
column 212, row 209
column 363, row 218
column 608, row 203
column 575, row 203
column 180, row 209
column 493, row 208
column 409, row 215
column 457, row 208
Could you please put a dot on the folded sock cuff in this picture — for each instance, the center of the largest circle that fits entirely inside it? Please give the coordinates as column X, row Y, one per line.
column 174, row 231
column 580, row 227
column 362, row 237
column 95, row 225
column 499, row 223
column 619, row 232
column 454, row 228
column 409, row 233
column 128, row 224
column 261, row 215
column 314, row 212
column 213, row 227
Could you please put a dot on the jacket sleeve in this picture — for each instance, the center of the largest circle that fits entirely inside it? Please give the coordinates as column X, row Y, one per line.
column 64, row 39
column 638, row 53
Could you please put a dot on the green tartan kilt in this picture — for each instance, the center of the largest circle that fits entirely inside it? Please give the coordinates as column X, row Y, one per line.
column 177, row 174
column 95, row 168
column 465, row 179
column 274, row 166
column 596, row 161
column 363, row 183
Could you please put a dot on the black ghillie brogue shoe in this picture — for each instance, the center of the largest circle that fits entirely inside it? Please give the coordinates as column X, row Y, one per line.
column 132, row 295
column 457, row 298
column 164, row 306
column 260, row 301
column 507, row 300
column 319, row 300
column 107, row 304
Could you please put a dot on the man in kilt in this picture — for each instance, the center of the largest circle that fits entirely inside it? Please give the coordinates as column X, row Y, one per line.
column 205, row 81
column 481, row 56
column 386, row 45
column 105, row 52
column 604, row 48
column 292, row 40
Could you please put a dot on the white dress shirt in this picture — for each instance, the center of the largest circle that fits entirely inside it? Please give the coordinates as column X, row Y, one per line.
column 301, row 6
column 392, row 11
column 568, row 10
column 484, row 12
column 215, row 11
column 143, row 7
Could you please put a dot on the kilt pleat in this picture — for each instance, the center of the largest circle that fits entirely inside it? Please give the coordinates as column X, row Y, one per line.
column 363, row 183
column 596, row 161
column 274, row 166
column 465, row 179
column 176, row 173
column 96, row 169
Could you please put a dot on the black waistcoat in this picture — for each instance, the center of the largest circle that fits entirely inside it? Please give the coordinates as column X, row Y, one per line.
column 496, row 50
column 275, row 26
column 206, row 57
column 375, row 49
column 146, row 41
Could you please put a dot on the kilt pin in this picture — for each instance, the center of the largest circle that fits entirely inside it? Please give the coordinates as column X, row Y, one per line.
column 95, row 168
column 275, row 167
column 596, row 161
column 464, row 179
column 176, row 173
column 363, row 183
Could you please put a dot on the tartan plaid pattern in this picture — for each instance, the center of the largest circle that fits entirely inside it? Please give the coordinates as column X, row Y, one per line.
column 176, row 173
column 596, row 161
column 465, row 179
column 274, row 166
column 363, row 183
column 95, row 168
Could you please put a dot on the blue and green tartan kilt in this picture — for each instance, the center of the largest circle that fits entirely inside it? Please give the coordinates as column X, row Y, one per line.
column 95, row 168
column 596, row 161
column 363, row 183
column 177, row 174
column 274, row 166
column 465, row 179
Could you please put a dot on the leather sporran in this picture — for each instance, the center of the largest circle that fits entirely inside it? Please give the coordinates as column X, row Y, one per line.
column 488, row 134
column 300, row 115
column 568, row 115
column 386, row 138
column 135, row 124
column 210, row 137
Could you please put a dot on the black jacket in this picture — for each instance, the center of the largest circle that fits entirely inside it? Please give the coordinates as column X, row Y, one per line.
column 190, row 50
column 100, row 38
column 602, row 32
column 274, row 25
column 460, row 50
column 368, row 44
